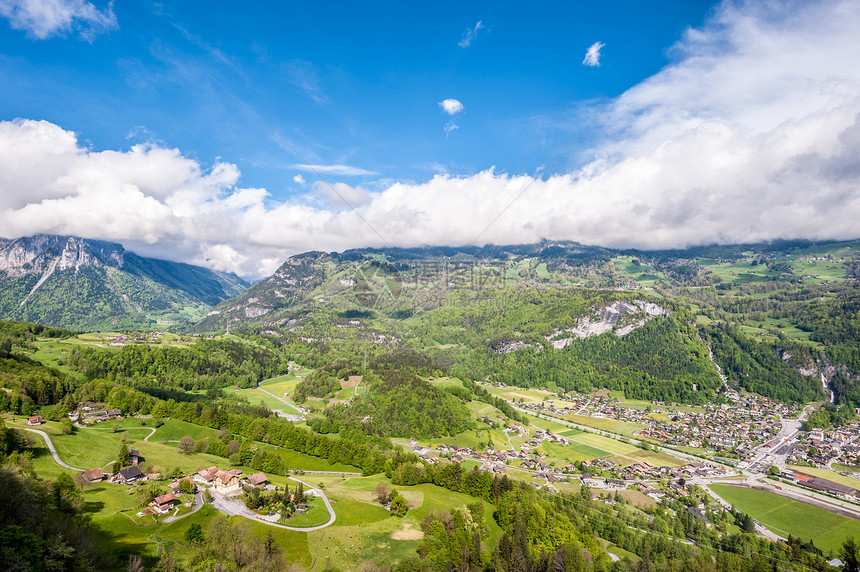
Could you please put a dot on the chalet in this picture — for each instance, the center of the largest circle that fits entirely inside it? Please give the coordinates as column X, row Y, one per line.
column 163, row 503
column 134, row 456
column 113, row 413
column 700, row 514
column 227, row 482
column 130, row 475
column 93, row 475
column 34, row 420
column 256, row 480
column 206, row 476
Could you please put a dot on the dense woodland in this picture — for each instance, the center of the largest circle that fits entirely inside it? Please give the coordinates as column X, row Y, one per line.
column 204, row 364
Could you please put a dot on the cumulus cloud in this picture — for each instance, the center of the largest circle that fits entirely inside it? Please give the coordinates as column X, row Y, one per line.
column 592, row 55
column 344, row 170
column 752, row 134
column 470, row 35
column 299, row 179
column 451, row 106
column 341, row 195
column 42, row 19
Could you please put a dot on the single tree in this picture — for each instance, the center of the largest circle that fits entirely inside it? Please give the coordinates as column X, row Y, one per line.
column 187, row 444
column 194, row 534
column 850, row 555
column 382, row 492
column 124, row 457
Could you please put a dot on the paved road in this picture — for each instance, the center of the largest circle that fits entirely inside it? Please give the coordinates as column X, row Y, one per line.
column 282, row 400
column 198, row 502
column 151, row 430
column 235, row 507
column 52, row 449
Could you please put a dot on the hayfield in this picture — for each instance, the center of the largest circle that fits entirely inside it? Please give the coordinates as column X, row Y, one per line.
column 786, row 516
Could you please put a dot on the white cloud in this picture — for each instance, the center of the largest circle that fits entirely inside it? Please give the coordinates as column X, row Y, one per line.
column 470, row 35
column 299, row 179
column 341, row 195
column 42, row 19
column 449, row 127
column 592, row 55
column 451, row 106
column 752, row 134
column 344, row 170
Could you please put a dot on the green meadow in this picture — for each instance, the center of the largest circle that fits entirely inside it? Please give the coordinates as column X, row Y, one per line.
column 786, row 516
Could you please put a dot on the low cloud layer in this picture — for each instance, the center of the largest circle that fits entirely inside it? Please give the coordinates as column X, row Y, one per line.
column 753, row 134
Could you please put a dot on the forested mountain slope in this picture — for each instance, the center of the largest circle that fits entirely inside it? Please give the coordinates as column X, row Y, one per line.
column 84, row 284
column 776, row 316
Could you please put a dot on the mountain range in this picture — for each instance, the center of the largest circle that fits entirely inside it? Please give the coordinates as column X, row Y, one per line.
column 779, row 318
column 84, row 284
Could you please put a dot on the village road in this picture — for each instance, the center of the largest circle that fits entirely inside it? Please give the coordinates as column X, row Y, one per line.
column 52, row 449
column 285, row 402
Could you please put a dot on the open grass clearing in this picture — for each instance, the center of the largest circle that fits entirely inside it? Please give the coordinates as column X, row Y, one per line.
column 315, row 516
column 786, row 516
column 611, row 425
column 353, row 513
column 174, row 430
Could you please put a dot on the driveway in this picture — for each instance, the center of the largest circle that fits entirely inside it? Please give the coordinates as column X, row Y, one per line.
column 198, row 502
column 235, row 507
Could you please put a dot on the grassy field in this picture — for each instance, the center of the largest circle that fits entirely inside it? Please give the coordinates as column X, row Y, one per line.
column 827, row 474
column 611, row 425
column 353, row 513
column 174, row 430
column 364, row 531
column 316, row 515
column 786, row 516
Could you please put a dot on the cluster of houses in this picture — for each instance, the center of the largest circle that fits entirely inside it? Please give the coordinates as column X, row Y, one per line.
column 122, row 339
column 497, row 460
column 739, row 425
column 223, row 482
column 637, row 475
column 821, row 448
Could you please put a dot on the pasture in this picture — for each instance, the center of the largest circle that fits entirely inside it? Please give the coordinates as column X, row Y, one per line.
column 786, row 516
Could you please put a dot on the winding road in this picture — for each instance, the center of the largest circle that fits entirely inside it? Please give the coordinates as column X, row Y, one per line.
column 235, row 507
column 152, row 430
column 52, row 449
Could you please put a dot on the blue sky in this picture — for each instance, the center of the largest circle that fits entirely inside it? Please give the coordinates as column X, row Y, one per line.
column 346, row 84
column 154, row 124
